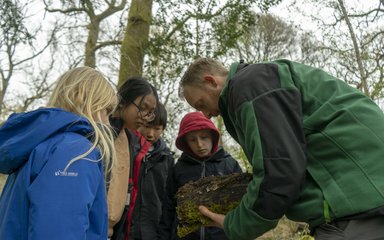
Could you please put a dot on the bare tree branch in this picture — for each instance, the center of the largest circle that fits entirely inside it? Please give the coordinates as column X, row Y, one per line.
column 92, row 43
column 107, row 43
column 363, row 77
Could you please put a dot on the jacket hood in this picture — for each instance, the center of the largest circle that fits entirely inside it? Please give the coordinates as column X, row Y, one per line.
column 22, row 132
column 195, row 121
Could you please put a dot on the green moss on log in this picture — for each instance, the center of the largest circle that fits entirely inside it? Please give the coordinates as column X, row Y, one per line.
column 220, row 194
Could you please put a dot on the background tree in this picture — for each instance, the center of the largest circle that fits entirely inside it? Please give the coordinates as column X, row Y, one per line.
column 351, row 37
column 15, row 37
column 344, row 14
column 135, row 40
column 268, row 38
column 93, row 13
column 366, row 60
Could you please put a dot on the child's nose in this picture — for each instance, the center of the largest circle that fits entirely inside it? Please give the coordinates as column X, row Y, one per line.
column 150, row 134
column 199, row 143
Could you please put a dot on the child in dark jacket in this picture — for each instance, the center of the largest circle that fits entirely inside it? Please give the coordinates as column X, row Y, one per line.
column 198, row 138
column 137, row 105
column 152, row 179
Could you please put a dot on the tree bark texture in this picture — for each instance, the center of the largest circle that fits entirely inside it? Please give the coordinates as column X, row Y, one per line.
column 135, row 39
column 219, row 193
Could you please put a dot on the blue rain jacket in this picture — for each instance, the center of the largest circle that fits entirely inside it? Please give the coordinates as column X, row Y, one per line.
column 40, row 200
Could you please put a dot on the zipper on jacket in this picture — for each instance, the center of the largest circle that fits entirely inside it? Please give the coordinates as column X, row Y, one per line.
column 145, row 161
column 202, row 229
column 203, row 171
column 202, row 233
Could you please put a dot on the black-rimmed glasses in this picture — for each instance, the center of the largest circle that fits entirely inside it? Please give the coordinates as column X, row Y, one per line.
column 148, row 116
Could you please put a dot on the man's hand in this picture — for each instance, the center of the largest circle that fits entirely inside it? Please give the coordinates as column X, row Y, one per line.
column 217, row 219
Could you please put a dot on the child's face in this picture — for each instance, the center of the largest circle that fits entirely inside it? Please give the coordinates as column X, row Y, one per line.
column 151, row 133
column 200, row 142
column 135, row 114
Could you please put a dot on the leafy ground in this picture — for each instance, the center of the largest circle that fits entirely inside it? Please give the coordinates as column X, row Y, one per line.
column 287, row 230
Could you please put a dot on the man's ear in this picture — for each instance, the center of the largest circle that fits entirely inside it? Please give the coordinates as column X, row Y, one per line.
column 210, row 79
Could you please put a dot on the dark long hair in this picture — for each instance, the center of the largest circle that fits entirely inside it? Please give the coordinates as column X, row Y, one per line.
column 133, row 88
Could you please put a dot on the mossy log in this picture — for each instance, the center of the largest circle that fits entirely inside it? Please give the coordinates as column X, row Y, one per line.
column 219, row 193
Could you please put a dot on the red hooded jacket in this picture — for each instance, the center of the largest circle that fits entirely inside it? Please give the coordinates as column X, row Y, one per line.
column 192, row 122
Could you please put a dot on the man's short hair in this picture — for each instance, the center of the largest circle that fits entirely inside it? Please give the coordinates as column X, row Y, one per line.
column 195, row 72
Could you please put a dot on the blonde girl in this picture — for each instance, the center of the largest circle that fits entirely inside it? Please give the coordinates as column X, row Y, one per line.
column 53, row 155
column 85, row 91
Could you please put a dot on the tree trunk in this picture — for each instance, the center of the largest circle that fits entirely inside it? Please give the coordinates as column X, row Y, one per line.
column 364, row 85
column 90, row 46
column 219, row 193
column 135, row 39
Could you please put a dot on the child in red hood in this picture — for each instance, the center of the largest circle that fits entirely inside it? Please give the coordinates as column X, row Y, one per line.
column 198, row 138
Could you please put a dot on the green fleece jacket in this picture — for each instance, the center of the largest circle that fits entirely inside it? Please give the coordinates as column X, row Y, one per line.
column 316, row 146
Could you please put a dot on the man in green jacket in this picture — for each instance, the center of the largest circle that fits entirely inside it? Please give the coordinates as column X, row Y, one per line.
column 316, row 146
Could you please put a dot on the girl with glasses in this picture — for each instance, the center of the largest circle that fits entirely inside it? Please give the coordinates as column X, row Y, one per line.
column 137, row 103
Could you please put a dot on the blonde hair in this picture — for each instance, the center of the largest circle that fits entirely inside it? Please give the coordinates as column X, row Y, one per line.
column 85, row 92
column 194, row 74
